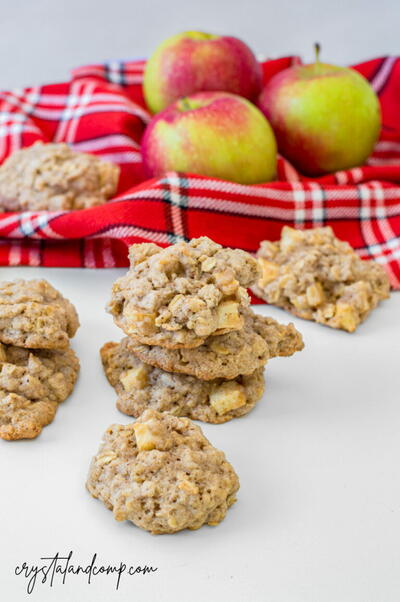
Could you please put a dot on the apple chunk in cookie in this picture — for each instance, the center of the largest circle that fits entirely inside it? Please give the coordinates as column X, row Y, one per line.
column 162, row 474
column 178, row 296
column 316, row 276
column 140, row 386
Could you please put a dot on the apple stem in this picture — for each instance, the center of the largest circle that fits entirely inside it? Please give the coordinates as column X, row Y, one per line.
column 317, row 47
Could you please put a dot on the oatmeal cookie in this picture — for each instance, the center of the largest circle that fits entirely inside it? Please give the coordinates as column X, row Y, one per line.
column 33, row 314
column 54, row 177
column 38, row 374
column 178, row 296
column 140, row 386
column 227, row 355
column 22, row 418
column 162, row 474
column 316, row 276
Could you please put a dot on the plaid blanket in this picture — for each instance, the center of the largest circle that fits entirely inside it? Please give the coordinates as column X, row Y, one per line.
column 101, row 110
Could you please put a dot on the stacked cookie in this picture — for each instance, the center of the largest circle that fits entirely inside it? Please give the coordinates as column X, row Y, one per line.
column 38, row 369
column 194, row 347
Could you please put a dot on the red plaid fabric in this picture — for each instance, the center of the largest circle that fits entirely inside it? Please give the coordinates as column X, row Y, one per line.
column 102, row 111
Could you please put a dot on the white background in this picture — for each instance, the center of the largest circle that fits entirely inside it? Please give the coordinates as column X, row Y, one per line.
column 40, row 40
column 318, row 513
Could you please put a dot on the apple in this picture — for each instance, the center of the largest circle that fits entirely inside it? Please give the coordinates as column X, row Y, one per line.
column 195, row 62
column 326, row 118
column 214, row 134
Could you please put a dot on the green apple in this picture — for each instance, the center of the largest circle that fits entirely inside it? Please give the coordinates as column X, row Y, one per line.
column 213, row 134
column 325, row 118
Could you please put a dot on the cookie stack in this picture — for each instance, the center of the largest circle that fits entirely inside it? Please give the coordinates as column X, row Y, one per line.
column 194, row 347
column 38, row 369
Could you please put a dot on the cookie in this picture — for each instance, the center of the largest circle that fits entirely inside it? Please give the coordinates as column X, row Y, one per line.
column 140, row 386
column 22, row 418
column 162, row 474
column 227, row 355
column 178, row 296
column 316, row 276
column 42, row 374
column 54, row 177
column 35, row 315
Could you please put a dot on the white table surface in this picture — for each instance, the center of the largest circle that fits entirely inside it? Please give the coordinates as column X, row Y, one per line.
column 318, row 513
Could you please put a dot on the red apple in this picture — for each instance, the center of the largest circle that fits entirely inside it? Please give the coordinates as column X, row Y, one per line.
column 194, row 62
column 214, row 134
column 325, row 118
